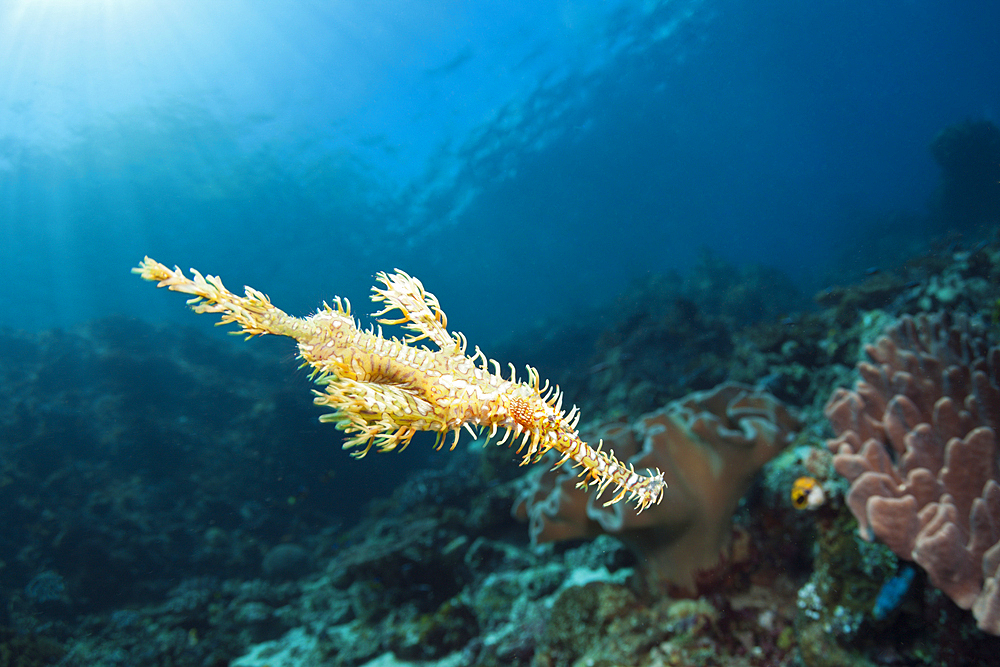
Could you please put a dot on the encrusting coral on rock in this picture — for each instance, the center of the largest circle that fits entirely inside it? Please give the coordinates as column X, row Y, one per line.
column 917, row 440
column 710, row 446
column 384, row 390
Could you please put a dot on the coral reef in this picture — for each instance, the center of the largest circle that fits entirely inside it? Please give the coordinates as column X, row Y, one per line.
column 27, row 650
column 214, row 524
column 710, row 446
column 917, row 440
column 969, row 156
column 383, row 390
column 114, row 493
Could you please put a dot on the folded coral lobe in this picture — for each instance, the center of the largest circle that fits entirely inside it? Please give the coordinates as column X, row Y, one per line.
column 383, row 390
column 710, row 445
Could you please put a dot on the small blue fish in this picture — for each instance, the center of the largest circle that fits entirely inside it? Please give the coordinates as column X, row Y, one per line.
column 892, row 593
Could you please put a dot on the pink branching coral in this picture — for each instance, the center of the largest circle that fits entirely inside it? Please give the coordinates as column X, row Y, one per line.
column 917, row 440
column 709, row 445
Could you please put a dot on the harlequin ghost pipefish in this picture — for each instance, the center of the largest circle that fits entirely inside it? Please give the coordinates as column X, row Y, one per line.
column 383, row 390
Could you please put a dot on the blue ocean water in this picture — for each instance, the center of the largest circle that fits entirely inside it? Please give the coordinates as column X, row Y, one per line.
column 690, row 215
column 521, row 160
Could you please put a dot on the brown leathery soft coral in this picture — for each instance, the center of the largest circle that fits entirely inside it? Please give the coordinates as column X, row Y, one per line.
column 709, row 445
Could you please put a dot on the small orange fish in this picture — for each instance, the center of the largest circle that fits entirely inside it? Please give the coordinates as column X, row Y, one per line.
column 807, row 494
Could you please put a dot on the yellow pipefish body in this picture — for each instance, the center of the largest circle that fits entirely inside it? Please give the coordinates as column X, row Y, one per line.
column 383, row 390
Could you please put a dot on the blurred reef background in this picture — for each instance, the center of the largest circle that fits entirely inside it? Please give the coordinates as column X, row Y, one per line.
column 758, row 246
